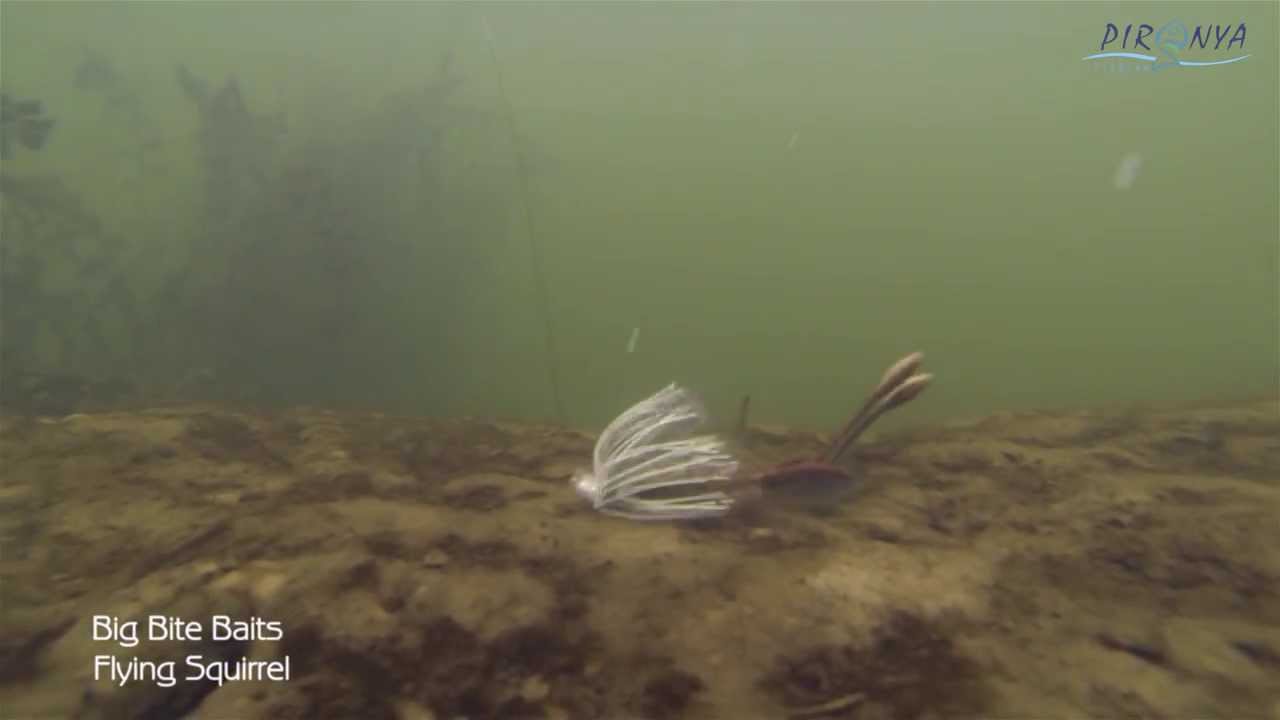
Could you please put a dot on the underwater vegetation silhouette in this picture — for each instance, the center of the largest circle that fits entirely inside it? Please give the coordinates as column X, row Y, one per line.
column 296, row 242
column 62, row 283
column 22, row 122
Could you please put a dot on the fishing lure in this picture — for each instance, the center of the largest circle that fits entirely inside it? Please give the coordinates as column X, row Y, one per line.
column 649, row 465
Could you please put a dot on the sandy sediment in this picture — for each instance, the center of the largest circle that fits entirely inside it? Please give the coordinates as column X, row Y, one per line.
column 1025, row 565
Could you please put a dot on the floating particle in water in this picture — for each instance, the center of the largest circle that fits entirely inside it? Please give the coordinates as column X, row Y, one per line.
column 1127, row 171
column 795, row 138
column 633, row 340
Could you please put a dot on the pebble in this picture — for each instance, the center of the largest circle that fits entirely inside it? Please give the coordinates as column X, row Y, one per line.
column 410, row 710
column 534, row 689
column 435, row 558
column 15, row 496
column 230, row 497
column 268, row 586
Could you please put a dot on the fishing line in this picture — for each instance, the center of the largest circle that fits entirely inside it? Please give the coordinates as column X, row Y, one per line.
column 539, row 276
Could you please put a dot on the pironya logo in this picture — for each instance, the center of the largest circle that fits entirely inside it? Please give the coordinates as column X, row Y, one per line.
column 1173, row 44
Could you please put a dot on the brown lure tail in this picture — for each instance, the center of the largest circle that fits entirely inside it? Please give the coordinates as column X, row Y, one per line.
column 899, row 384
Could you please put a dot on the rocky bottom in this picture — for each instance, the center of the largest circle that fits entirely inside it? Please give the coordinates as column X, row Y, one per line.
column 1027, row 565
